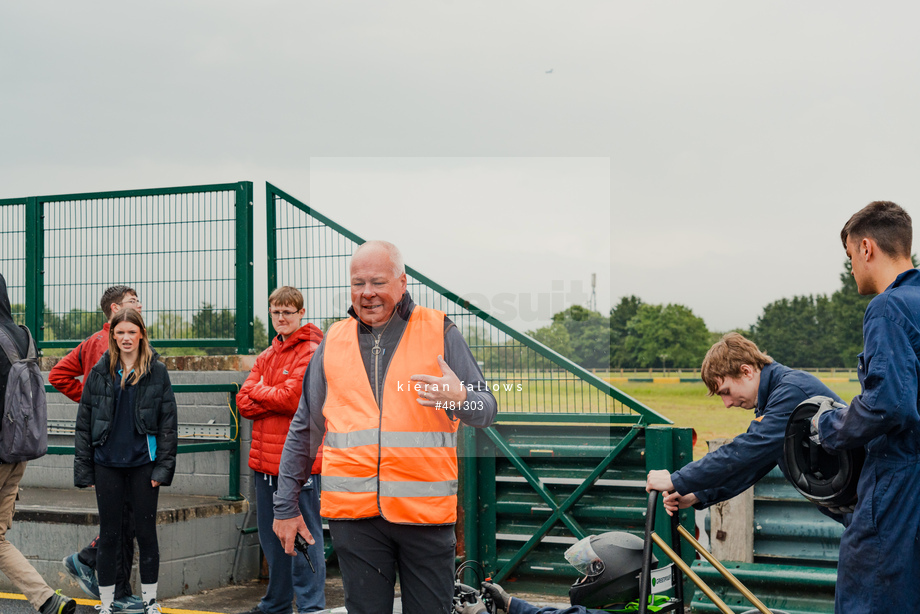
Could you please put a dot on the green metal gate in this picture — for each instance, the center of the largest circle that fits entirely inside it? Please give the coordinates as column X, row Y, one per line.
column 569, row 453
column 796, row 548
column 187, row 251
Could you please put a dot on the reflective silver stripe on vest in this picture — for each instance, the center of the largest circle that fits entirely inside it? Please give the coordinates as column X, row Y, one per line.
column 419, row 440
column 416, row 489
column 369, row 437
column 332, row 483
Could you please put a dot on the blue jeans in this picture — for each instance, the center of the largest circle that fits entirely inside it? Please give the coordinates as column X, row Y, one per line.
column 290, row 578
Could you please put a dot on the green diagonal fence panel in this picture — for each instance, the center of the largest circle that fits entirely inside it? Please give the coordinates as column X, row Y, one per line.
column 311, row 252
column 569, row 453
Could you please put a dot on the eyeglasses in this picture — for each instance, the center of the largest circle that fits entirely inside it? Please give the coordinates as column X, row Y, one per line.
column 283, row 314
column 132, row 301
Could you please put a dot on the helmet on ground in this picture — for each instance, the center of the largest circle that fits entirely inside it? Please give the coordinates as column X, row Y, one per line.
column 611, row 563
column 825, row 478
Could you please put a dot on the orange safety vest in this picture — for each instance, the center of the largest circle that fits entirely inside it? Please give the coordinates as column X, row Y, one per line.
column 399, row 460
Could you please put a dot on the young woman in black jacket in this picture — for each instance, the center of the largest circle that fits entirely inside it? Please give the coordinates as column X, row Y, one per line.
column 125, row 446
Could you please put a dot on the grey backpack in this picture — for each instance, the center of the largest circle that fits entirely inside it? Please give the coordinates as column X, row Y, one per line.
column 24, row 423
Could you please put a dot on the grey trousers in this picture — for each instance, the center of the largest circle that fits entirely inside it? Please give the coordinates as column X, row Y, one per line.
column 372, row 551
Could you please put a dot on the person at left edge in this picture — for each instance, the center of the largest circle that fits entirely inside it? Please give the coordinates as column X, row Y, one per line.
column 269, row 398
column 13, row 564
column 125, row 445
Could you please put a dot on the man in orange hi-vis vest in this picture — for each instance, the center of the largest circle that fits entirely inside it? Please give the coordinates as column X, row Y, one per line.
column 385, row 394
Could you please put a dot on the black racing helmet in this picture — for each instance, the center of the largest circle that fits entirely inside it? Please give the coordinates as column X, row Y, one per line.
column 825, row 478
column 611, row 563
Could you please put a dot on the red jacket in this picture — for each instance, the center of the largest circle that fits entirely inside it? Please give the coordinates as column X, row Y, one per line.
column 79, row 362
column 270, row 395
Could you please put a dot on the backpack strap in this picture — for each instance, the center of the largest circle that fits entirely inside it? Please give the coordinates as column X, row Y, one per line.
column 33, row 352
column 12, row 352
column 6, row 342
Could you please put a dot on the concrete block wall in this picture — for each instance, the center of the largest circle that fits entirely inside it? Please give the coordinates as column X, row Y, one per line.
column 198, row 546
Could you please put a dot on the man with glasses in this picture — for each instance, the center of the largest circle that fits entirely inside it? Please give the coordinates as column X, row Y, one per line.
column 64, row 377
column 269, row 398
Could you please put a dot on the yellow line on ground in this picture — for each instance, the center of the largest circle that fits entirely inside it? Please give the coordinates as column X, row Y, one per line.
column 94, row 602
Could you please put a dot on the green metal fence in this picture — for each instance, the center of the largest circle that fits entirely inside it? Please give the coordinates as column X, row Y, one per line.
column 538, row 483
column 187, row 251
column 796, row 548
column 569, row 453
column 309, row 251
column 192, row 437
column 13, row 252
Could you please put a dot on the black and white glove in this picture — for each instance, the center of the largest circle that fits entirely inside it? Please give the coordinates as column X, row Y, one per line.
column 827, row 404
column 500, row 597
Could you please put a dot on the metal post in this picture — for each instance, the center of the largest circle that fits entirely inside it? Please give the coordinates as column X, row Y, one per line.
column 244, row 268
column 271, row 246
column 35, row 269
column 487, row 511
column 469, row 501
column 659, row 454
column 233, row 471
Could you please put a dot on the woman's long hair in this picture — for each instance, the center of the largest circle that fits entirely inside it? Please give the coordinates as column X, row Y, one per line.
column 144, row 353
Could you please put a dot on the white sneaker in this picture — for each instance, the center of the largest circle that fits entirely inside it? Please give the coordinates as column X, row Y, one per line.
column 152, row 607
column 103, row 610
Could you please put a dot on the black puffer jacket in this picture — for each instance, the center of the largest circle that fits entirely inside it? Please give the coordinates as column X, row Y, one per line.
column 154, row 414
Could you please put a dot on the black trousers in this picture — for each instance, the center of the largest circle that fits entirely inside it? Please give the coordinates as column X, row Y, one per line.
column 124, row 559
column 372, row 551
column 115, row 486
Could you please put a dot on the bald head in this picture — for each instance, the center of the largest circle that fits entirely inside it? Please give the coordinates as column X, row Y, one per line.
column 378, row 281
column 381, row 249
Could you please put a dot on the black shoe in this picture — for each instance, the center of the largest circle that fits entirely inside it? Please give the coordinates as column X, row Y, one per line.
column 254, row 610
column 58, row 604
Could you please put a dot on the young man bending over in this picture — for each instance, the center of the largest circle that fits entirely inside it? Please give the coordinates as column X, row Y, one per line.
column 736, row 370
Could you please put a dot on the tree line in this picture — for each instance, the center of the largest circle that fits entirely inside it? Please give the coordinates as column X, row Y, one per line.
column 803, row 331
column 817, row 331
column 208, row 322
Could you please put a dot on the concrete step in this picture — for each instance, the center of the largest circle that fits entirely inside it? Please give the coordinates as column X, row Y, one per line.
column 199, row 538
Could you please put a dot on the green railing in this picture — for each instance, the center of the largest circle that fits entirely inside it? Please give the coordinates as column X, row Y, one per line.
column 187, row 251
column 308, row 250
column 192, row 437
column 13, row 255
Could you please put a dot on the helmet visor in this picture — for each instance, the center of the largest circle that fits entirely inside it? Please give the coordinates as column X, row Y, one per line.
column 582, row 557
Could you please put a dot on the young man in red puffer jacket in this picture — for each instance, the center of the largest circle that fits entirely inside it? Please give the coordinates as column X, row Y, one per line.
column 269, row 398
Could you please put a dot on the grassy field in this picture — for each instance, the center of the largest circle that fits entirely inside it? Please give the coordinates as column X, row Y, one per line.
column 684, row 402
column 687, row 404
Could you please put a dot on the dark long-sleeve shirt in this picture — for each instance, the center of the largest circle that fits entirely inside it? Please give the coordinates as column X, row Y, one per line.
column 308, row 426
column 880, row 549
column 736, row 466
column 884, row 417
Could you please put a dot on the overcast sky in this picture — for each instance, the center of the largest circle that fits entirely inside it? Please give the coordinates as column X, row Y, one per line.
column 702, row 153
